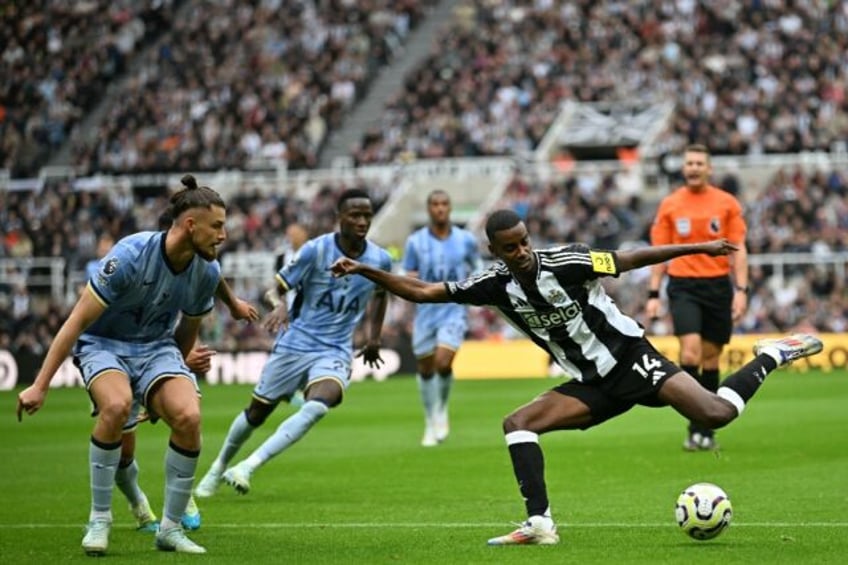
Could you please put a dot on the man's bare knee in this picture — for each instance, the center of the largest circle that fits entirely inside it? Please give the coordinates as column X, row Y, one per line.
column 115, row 411
column 514, row 422
column 186, row 420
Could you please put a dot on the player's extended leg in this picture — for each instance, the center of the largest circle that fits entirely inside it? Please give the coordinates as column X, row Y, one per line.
column 175, row 400
column 549, row 411
column 320, row 396
column 714, row 411
column 240, row 431
column 110, row 391
column 126, row 478
column 443, row 365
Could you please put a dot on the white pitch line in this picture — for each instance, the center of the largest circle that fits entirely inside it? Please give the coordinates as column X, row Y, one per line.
column 466, row 525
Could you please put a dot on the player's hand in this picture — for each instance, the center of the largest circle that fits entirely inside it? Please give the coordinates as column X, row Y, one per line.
column 719, row 247
column 244, row 310
column 30, row 399
column 371, row 354
column 344, row 266
column 199, row 359
column 276, row 319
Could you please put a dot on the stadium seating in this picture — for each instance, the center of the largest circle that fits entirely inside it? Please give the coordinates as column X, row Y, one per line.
column 260, row 84
column 746, row 77
column 58, row 60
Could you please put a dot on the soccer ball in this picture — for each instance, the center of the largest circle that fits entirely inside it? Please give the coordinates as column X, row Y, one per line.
column 703, row 511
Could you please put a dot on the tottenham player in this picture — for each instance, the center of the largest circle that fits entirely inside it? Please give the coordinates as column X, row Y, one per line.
column 315, row 351
column 438, row 252
column 128, row 343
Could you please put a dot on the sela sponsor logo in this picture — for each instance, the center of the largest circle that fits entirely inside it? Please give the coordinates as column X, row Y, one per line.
column 555, row 318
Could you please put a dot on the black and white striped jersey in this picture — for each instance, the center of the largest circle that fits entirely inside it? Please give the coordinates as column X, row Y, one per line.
column 568, row 313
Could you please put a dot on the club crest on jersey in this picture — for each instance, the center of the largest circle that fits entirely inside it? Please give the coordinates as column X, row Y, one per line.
column 111, row 266
column 683, row 226
column 556, row 295
column 715, row 226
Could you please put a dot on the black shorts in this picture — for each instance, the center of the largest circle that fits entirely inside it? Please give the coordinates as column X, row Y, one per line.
column 636, row 379
column 702, row 306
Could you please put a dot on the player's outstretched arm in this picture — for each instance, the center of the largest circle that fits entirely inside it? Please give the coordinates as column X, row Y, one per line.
column 86, row 311
column 635, row 258
column 411, row 289
column 239, row 309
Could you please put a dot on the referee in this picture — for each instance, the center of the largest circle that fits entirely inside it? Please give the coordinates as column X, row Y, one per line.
column 706, row 294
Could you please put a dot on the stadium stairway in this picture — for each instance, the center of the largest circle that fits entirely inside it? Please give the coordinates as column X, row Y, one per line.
column 388, row 82
column 87, row 128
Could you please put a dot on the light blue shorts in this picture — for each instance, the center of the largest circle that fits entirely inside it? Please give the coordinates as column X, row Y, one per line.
column 287, row 371
column 143, row 371
column 429, row 334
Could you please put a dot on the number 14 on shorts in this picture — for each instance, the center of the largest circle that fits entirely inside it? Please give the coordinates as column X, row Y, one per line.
column 649, row 368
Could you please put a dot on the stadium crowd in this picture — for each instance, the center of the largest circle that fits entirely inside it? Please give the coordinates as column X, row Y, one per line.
column 766, row 76
column 247, row 84
column 57, row 60
column 795, row 213
column 234, row 84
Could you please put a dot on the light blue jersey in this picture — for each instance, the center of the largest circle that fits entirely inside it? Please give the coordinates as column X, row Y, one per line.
column 318, row 344
column 327, row 309
column 91, row 269
column 144, row 295
column 438, row 260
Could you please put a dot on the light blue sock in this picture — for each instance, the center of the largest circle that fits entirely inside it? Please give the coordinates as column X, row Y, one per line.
column 429, row 389
column 103, row 462
column 292, row 429
column 239, row 433
column 126, row 478
column 180, row 465
column 445, row 382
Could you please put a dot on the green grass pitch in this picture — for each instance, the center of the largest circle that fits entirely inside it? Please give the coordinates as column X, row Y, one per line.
column 359, row 488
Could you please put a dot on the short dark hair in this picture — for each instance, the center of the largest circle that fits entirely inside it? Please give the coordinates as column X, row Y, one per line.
column 697, row 148
column 350, row 194
column 193, row 196
column 437, row 192
column 501, row 220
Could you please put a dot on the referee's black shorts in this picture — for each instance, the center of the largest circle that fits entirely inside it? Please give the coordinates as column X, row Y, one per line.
column 702, row 306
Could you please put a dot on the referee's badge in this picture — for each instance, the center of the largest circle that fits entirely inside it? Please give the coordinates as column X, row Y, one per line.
column 715, row 226
column 684, row 226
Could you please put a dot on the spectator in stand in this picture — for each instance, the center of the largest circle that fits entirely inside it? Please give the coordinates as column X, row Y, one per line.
column 266, row 83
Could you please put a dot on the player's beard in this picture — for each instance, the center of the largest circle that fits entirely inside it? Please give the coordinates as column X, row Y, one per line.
column 207, row 253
